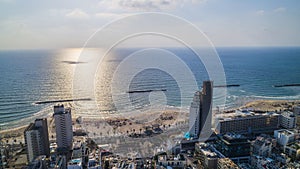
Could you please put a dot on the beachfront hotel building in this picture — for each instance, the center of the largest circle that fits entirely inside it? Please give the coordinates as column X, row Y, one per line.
column 246, row 122
column 200, row 111
column 37, row 139
column 63, row 127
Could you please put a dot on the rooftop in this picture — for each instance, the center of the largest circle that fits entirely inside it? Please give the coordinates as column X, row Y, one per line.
column 285, row 132
column 228, row 163
column 288, row 114
column 241, row 114
column 207, row 151
column 263, row 138
column 76, row 161
column 232, row 138
column 31, row 126
column 295, row 145
column 77, row 145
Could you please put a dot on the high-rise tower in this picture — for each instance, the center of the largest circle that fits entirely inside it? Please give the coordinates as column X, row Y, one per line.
column 37, row 139
column 206, row 101
column 63, row 125
column 194, row 120
column 200, row 111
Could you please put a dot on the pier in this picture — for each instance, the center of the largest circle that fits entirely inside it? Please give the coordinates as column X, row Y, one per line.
column 287, row 85
column 146, row 91
column 58, row 101
column 230, row 85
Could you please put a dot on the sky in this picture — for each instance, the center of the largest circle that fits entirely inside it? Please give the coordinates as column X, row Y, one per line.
column 69, row 24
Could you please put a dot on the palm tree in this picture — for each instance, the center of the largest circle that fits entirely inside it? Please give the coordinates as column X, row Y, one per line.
column 140, row 130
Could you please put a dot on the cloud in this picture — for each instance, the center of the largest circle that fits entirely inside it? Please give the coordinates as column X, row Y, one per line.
column 106, row 15
column 146, row 5
column 260, row 12
column 280, row 9
column 77, row 14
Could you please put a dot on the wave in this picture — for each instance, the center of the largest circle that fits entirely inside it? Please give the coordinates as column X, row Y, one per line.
column 296, row 97
column 18, row 122
column 4, row 124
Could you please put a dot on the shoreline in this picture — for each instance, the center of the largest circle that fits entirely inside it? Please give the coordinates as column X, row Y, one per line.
column 13, row 129
column 271, row 105
column 257, row 105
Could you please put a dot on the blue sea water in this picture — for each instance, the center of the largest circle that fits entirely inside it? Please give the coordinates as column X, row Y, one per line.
column 28, row 76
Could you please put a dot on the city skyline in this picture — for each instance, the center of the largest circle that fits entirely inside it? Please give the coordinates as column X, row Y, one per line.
column 149, row 84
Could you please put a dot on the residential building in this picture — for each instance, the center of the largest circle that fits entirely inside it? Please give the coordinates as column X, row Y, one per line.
column 262, row 146
column 207, row 155
column 293, row 150
column 284, row 137
column 194, row 118
column 288, row 120
column 42, row 127
column 206, row 101
column 296, row 110
column 281, row 158
column 63, row 126
column 165, row 161
column 201, row 111
column 39, row 163
column 37, row 139
column 226, row 163
column 263, row 162
column 80, row 151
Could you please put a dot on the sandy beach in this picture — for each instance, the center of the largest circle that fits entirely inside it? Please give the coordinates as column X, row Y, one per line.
column 137, row 123
column 133, row 124
column 12, row 135
column 272, row 105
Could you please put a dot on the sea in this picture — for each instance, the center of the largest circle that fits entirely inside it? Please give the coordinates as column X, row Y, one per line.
column 124, row 81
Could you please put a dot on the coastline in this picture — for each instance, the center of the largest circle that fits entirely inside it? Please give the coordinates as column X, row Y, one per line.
column 271, row 105
column 13, row 135
column 142, row 120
